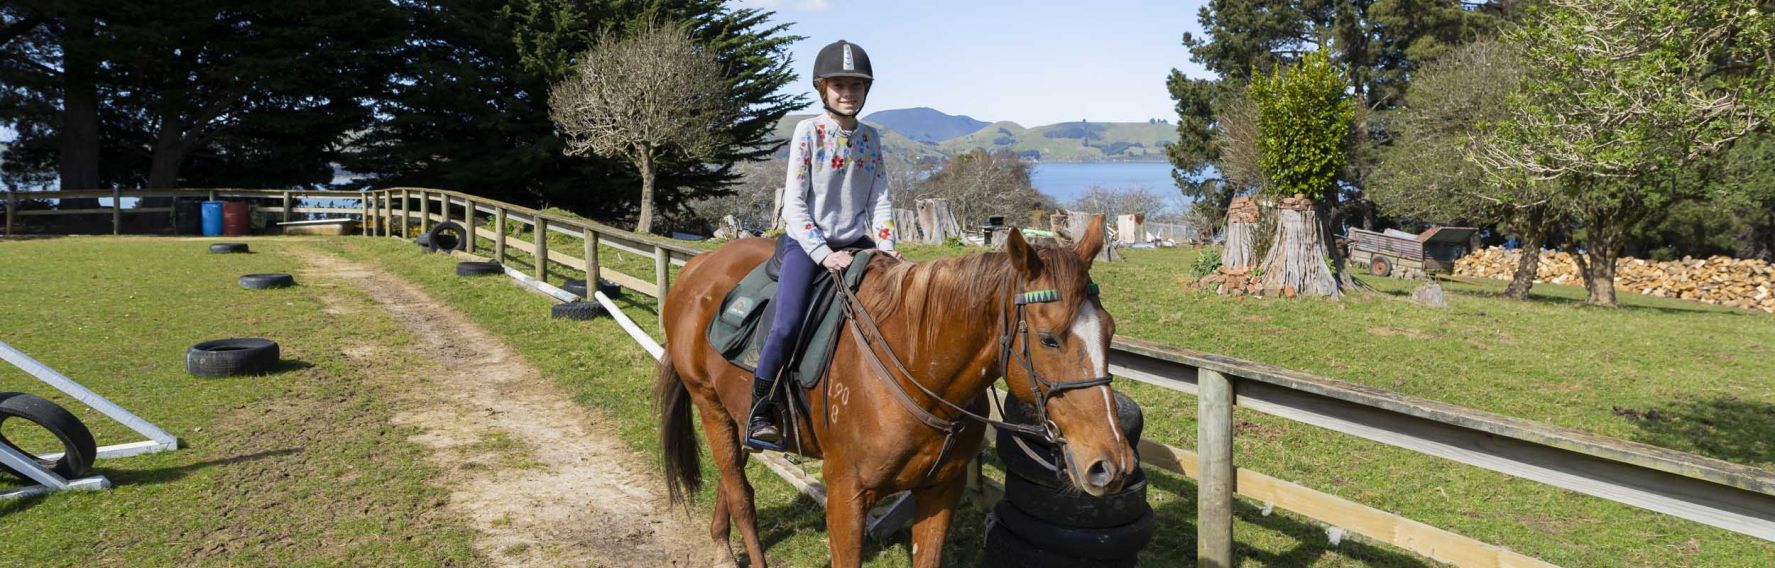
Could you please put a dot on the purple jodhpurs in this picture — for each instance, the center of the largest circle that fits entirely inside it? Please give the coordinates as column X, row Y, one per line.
column 793, row 281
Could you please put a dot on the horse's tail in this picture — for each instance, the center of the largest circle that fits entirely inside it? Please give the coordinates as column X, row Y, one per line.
column 677, row 436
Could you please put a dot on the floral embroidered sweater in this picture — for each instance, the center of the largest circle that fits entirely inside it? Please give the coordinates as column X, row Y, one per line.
column 837, row 188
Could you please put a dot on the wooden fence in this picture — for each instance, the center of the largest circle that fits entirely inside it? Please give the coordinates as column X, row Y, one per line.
column 1734, row 497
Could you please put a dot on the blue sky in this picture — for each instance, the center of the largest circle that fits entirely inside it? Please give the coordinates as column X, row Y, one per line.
column 1033, row 62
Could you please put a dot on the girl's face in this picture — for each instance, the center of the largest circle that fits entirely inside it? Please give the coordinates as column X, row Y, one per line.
column 846, row 94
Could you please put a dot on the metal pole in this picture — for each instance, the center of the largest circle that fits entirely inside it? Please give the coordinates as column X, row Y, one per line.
column 1214, row 491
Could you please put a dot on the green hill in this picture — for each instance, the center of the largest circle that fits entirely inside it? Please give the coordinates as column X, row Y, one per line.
column 1063, row 142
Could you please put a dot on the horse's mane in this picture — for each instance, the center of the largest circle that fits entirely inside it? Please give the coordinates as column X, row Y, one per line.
column 960, row 282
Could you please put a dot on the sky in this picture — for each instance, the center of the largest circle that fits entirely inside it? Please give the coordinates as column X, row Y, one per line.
column 1033, row 62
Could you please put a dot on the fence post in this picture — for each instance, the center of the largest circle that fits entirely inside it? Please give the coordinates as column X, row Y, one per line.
column 468, row 224
column 406, row 214
column 288, row 207
column 387, row 212
column 11, row 209
column 662, row 279
column 1214, row 491
column 116, row 211
column 363, row 213
column 424, row 211
column 499, row 236
column 591, row 241
column 212, row 195
column 541, row 236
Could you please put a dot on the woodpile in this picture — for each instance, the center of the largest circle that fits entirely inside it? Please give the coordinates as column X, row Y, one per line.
column 1242, row 210
column 1298, row 203
column 1744, row 284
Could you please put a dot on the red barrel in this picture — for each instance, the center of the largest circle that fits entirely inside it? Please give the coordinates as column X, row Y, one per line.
column 237, row 218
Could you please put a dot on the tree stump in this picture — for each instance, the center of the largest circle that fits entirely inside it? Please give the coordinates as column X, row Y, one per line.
column 1296, row 258
column 1241, row 224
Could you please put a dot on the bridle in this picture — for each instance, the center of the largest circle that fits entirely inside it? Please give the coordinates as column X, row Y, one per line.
column 1045, row 429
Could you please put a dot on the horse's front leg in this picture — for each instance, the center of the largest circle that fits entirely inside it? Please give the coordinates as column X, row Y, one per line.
column 933, row 507
column 847, row 510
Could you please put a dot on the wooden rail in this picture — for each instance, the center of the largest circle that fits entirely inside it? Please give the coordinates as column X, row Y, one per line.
column 1734, row 497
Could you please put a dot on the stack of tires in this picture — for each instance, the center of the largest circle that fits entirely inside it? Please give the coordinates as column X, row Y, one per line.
column 1044, row 522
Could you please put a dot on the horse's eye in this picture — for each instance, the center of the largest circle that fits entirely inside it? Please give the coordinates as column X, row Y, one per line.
column 1048, row 340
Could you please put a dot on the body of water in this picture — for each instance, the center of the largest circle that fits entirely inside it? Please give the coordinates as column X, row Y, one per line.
column 1067, row 181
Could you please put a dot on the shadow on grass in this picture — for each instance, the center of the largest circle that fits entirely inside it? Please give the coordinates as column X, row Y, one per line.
column 1726, row 428
column 804, row 515
column 171, row 474
column 1175, row 537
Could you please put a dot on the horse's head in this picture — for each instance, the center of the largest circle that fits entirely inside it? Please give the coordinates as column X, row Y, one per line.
column 1067, row 342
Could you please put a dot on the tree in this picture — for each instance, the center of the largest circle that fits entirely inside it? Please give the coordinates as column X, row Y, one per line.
column 643, row 97
column 1428, row 173
column 1112, row 202
column 1378, row 43
column 754, row 203
column 1303, row 120
column 979, row 184
column 480, row 70
column 1620, row 96
column 254, row 93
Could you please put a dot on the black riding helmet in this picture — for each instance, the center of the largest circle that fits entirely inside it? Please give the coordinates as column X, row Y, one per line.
column 841, row 59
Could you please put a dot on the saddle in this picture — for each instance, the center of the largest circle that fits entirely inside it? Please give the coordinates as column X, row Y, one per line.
column 746, row 315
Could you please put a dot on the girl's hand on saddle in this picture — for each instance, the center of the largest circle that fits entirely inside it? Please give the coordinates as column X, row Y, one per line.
column 893, row 253
column 838, row 260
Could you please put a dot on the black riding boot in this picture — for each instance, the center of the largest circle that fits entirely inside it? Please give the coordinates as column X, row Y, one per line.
column 759, row 427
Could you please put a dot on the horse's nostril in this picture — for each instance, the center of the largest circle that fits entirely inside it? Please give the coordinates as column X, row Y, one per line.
column 1100, row 474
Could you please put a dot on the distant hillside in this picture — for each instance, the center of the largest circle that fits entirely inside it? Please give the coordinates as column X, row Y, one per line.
column 1063, row 142
column 892, row 142
column 925, row 124
column 1073, row 141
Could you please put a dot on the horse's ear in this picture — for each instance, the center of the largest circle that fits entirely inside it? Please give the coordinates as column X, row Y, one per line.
column 1023, row 256
column 1092, row 242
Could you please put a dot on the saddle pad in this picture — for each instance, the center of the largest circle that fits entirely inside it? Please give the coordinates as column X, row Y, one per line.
column 738, row 331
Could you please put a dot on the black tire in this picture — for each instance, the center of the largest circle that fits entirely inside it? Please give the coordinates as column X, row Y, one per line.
column 1380, row 266
column 1004, row 549
column 263, row 281
column 231, row 357
column 472, row 268
column 580, row 311
column 444, row 237
column 228, row 248
column 1071, row 508
column 78, row 448
column 1114, row 543
column 1128, row 413
column 610, row 289
column 575, row 287
column 1021, row 464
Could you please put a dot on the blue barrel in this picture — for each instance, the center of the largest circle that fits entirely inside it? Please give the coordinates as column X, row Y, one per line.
column 212, row 218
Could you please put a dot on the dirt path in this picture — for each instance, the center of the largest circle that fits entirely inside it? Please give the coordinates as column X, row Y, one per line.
column 544, row 481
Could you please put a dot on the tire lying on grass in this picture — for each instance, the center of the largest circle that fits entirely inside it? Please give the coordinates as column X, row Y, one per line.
column 78, row 448
column 446, row 236
column 472, row 268
column 228, row 247
column 577, row 287
column 263, row 281
column 580, row 311
column 231, row 357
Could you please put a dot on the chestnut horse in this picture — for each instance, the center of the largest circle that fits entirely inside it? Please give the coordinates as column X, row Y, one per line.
column 945, row 320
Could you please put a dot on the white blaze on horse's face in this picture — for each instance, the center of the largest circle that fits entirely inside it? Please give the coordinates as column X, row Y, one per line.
column 1088, row 327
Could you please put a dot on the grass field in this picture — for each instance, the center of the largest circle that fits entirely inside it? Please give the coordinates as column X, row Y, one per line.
column 300, row 467
column 1707, row 372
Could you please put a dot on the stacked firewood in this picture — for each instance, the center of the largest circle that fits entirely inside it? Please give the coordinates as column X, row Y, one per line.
column 1738, row 283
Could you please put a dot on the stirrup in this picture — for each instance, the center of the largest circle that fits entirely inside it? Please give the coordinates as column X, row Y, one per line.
column 755, row 444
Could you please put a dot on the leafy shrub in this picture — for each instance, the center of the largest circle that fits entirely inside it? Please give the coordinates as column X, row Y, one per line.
column 1207, row 262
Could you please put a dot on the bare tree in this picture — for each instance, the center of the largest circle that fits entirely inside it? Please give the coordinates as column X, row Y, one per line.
column 756, row 201
column 979, row 184
column 643, row 96
column 1114, row 202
